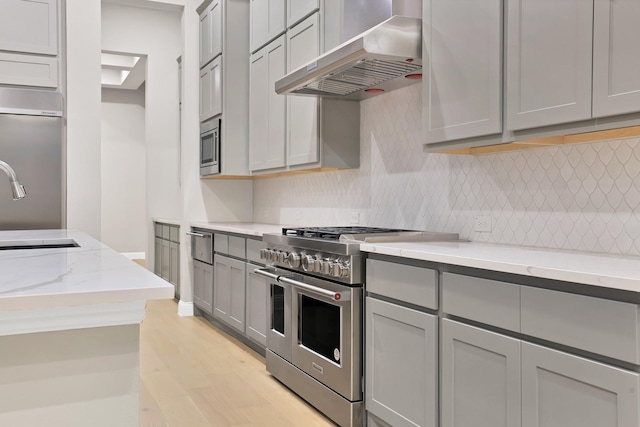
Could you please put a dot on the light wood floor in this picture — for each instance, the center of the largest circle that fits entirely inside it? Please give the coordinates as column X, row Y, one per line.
column 192, row 374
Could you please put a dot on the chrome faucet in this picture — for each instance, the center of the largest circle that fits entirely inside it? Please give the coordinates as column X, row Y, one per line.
column 16, row 188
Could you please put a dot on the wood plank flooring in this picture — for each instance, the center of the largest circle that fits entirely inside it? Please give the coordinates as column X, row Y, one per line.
column 192, row 374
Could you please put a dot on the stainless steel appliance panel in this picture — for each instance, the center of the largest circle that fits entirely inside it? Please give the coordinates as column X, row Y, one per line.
column 279, row 332
column 201, row 246
column 328, row 343
column 32, row 145
column 210, row 132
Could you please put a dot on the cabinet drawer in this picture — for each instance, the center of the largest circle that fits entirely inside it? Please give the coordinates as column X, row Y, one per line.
column 221, row 243
column 157, row 227
column 166, row 231
column 174, row 234
column 483, row 300
column 415, row 285
column 236, row 247
column 253, row 250
column 606, row 327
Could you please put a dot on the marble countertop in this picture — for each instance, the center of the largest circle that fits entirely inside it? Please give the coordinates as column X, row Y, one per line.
column 247, row 228
column 167, row 221
column 619, row 272
column 90, row 274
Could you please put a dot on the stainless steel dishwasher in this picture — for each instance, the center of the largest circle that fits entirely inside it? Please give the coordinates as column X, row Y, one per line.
column 202, row 256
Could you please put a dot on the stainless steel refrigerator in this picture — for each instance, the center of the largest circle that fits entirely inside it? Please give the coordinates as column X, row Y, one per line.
column 31, row 142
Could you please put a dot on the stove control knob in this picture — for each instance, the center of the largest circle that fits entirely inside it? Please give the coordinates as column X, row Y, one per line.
column 283, row 256
column 309, row 263
column 294, row 260
column 345, row 271
column 263, row 253
column 326, row 266
column 335, row 269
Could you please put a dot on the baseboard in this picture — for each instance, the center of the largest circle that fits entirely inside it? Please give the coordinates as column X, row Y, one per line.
column 185, row 308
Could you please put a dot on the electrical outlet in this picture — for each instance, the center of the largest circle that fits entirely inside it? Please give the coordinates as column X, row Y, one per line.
column 354, row 217
column 483, row 223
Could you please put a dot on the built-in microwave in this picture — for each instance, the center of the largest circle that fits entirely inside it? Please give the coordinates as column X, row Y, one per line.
column 210, row 146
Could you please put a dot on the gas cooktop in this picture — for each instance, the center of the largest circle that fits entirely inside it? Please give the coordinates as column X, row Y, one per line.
column 334, row 233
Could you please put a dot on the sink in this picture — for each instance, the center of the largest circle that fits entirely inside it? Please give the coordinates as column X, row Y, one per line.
column 6, row 245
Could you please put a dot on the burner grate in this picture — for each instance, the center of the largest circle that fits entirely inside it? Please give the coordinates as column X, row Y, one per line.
column 334, row 233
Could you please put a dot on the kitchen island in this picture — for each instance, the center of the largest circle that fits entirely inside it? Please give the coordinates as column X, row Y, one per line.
column 69, row 330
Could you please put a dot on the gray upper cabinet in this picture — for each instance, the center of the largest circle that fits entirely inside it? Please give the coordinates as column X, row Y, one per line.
column 267, row 136
column 562, row 390
column 210, row 32
column 211, row 89
column 267, row 21
column 29, row 26
column 462, row 57
column 298, row 9
column 549, row 62
column 480, row 383
column 616, row 57
column 303, row 46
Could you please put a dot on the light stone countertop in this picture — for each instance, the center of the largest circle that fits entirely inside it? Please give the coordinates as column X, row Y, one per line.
column 620, row 272
column 255, row 229
column 167, row 221
column 93, row 273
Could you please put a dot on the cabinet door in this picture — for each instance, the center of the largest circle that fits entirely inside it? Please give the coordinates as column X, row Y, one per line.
column 203, row 286
column 205, row 37
column 215, row 19
column 29, row 26
column 257, row 306
column 298, row 9
column 302, row 111
column 562, row 390
column 401, row 367
column 229, row 292
column 157, row 257
column 211, row 90
column 462, row 93
column 166, row 260
column 616, row 57
column 267, row 21
column 549, row 62
column 480, row 382
column 267, row 108
column 174, row 263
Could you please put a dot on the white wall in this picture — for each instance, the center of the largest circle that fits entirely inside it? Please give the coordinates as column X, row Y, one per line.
column 124, row 171
column 584, row 197
column 83, row 116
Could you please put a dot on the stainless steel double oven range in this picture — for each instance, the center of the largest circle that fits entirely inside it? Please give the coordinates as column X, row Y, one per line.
column 314, row 341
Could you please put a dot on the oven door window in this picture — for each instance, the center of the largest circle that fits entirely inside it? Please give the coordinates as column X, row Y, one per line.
column 207, row 151
column 277, row 308
column 319, row 327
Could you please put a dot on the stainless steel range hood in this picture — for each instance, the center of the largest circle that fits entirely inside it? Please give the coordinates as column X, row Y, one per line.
column 381, row 59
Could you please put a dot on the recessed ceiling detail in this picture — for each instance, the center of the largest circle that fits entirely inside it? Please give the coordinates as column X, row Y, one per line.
column 123, row 70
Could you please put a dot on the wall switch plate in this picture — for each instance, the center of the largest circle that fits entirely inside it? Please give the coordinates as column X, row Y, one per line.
column 483, row 223
column 354, row 217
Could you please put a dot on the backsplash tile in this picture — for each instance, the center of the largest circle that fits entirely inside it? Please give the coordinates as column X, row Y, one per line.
column 584, row 197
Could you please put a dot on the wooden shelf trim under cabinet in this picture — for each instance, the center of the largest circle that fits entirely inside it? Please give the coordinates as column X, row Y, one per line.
column 603, row 135
column 274, row 174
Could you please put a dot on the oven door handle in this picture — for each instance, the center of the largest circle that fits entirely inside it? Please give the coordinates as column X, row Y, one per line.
column 335, row 296
column 191, row 233
column 266, row 273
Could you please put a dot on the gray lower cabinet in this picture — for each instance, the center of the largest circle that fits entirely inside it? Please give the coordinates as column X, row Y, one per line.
column 563, row 390
column 174, row 266
column 203, row 286
column 229, row 291
column 480, row 382
column 167, row 254
column 257, row 306
column 401, row 365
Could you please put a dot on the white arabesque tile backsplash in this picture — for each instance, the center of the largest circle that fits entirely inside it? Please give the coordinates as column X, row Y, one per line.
column 584, row 197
